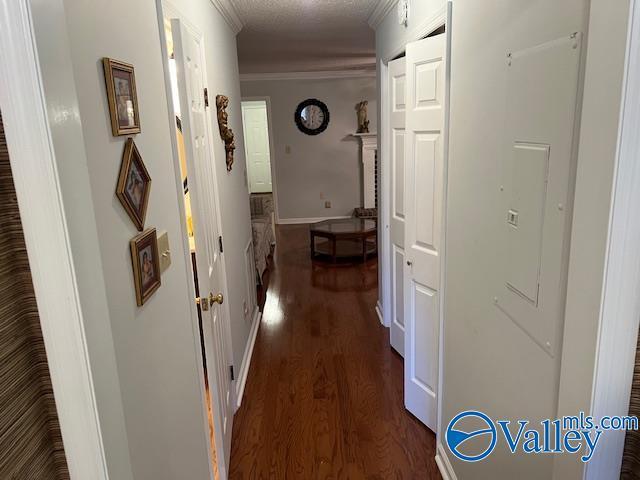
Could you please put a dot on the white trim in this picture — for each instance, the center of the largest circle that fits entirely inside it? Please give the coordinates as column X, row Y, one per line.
column 246, row 359
column 380, row 11
column 379, row 313
column 39, row 192
column 423, row 29
column 297, row 221
column 443, row 238
column 319, row 75
column 230, row 14
column 444, row 465
column 384, row 184
column 272, row 150
column 620, row 315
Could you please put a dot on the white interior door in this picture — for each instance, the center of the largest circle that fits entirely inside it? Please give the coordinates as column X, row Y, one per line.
column 423, row 201
column 397, row 112
column 256, row 144
column 191, row 80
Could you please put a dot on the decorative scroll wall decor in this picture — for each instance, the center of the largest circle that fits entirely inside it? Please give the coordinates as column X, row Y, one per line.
column 222, row 102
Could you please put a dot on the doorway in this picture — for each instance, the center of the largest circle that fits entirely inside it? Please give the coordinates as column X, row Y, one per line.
column 185, row 74
column 256, row 145
column 415, row 101
column 30, row 434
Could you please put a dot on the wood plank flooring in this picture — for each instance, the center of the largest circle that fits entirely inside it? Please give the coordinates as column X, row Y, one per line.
column 324, row 395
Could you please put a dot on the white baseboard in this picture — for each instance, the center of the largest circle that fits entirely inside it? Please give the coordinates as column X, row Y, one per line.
column 295, row 221
column 379, row 312
column 444, row 465
column 246, row 359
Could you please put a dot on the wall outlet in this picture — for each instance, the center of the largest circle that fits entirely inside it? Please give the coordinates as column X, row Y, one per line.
column 327, row 204
column 287, row 149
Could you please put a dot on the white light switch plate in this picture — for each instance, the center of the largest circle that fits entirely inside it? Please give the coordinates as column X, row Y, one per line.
column 164, row 251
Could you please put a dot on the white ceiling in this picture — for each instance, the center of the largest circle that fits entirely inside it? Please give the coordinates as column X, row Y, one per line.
column 305, row 35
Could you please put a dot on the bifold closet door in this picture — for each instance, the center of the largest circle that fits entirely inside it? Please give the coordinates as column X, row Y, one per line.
column 30, row 439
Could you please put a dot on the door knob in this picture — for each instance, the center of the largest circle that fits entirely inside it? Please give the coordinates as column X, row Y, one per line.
column 215, row 299
column 409, row 263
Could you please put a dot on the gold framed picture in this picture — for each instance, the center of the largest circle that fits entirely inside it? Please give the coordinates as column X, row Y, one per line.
column 146, row 265
column 134, row 184
column 121, row 94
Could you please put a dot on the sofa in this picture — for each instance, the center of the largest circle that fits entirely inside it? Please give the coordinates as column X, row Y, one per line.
column 263, row 229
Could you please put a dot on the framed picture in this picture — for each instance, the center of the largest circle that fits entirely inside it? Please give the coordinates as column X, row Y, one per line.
column 146, row 265
column 134, row 184
column 123, row 100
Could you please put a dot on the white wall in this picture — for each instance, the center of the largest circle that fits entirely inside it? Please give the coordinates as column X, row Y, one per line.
column 145, row 361
column 327, row 163
column 391, row 37
column 604, row 75
column 490, row 364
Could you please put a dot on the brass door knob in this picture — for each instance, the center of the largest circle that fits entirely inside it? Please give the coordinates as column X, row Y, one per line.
column 215, row 299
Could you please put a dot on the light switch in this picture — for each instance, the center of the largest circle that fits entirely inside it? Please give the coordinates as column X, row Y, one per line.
column 512, row 218
column 287, row 149
column 164, row 251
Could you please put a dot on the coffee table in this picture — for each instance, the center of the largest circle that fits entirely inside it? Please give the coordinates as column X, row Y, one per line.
column 344, row 238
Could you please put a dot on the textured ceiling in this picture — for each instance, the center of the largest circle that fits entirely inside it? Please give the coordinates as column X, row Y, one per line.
column 305, row 35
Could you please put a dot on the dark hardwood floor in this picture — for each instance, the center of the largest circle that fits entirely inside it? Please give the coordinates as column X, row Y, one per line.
column 324, row 395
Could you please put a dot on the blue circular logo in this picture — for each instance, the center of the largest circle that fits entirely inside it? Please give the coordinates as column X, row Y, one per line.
column 456, row 438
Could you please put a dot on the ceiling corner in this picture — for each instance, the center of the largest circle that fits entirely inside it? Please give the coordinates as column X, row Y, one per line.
column 230, row 14
column 380, row 11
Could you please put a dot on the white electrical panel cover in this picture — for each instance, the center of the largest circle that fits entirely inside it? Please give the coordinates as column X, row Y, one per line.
column 537, row 186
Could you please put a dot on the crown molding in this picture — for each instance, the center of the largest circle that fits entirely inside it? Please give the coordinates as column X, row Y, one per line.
column 319, row 75
column 230, row 14
column 381, row 10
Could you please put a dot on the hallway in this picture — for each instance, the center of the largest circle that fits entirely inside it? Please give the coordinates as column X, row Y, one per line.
column 324, row 395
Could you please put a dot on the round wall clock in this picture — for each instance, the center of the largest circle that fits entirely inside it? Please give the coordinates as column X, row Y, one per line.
column 312, row 116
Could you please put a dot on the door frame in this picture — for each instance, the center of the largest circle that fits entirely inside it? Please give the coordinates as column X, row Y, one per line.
column 272, row 157
column 61, row 307
column 168, row 10
column 609, row 345
column 436, row 21
column 431, row 24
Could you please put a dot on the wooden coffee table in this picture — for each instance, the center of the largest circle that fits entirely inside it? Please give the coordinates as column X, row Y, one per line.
column 344, row 238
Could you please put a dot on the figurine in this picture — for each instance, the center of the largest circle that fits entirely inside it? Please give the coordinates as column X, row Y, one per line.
column 363, row 123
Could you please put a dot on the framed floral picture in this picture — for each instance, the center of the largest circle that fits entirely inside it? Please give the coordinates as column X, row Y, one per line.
column 146, row 265
column 123, row 99
column 134, row 184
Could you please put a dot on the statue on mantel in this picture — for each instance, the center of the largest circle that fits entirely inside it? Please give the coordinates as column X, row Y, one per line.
column 363, row 123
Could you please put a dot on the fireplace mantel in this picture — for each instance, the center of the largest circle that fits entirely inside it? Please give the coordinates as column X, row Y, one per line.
column 369, row 147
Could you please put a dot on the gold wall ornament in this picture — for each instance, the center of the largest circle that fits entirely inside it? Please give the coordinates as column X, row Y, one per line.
column 222, row 102
column 363, row 123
